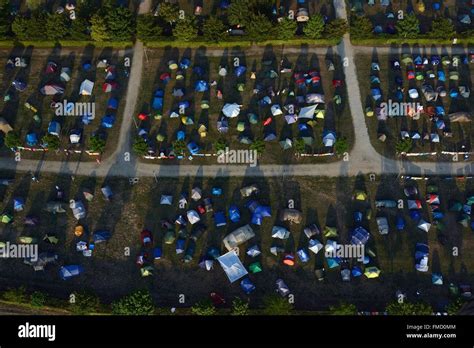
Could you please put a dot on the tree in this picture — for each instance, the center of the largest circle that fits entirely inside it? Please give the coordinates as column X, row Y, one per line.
column 214, row 30
column 240, row 307
column 404, row 145
column 407, row 308
column 336, row 29
column 34, row 4
column 4, row 18
column 51, row 142
column 169, row 12
column 12, row 140
column 442, row 28
column 258, row 145
column 343, row 309
column 97, row 143
column 137, row 303
column 300, row 146
column 186, row 29
column 84, row 303
column 99, row 31
column 56, row 26
column 361, row 27
column 315, row 27
column 140, row 147
column 239, row 12
column 286, row 29
column 204, row 307
column 17, row 295
column 277, row 305
column 259, row 27
column 454, row 307
column 147, row 28
column 20, row 27
column 341, row 146
column 220, row 145
column 409, row 26
column 79, row 29
column 38, row 299
column 179, row 147
column 120, row 23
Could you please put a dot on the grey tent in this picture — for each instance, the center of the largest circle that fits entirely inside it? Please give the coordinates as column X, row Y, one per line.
column 65, row 74
column 51, row 89
column 86, row 87
column 291, row 215
column 280, row 232
column 78, row 209
column 237, row 237
column 286, row 144
column 247, row 191
column 382, row 224
column 232, row 266
column 166, row 200
column 55, row 207
column 5, row 126
column 460, row 117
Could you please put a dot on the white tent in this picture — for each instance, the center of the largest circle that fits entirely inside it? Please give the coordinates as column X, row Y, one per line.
column 331, row 246
column 290, row 119
column 280, row 232
column 237, row 237
column 307, row 112
column 196, row 193
column 434, row 138
column 314, row 98
column 315, row 245
column 166, row 199
column 86, row 87
column 74, row 138
column 382, row 224
column 253, row 251
column 78, row 209
column 414, row 204
column 231, row 110
column 232, row 266
column 329, row 139
column 193, row 216
column 413, row 93
column 276, row 110
column 424, row 226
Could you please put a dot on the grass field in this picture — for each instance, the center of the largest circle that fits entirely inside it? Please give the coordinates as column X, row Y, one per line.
column 462, row 134
column 111, row 274
column 21, row 119
column 337, row 116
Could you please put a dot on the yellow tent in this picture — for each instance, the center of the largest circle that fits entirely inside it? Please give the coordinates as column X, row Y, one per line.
column 372, row 272
column 360, row 196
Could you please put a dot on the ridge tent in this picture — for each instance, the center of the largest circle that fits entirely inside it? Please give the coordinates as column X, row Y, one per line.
column 193, row 217
column 280, row 232
column 437, row 279
column 101, row 236
column 51, row 89
column 65, row 74
column 232, row 266
column 330, row 232
column 19, row 85
column 423, row 225
column 237, row 237
column 307, row 112
column 314, row 98
column 55, row 207
column 240, row 70
column 166, row 200
column 356, row 271
column 108, row 121
column 109, row 86
column 276, row 110
column 5, row 126
column 291, row 215
column 311, row 230
column 255, row 267
column 158, row 100
column 206, row 264
column 303, row 255
column 67, row 272
column 6, row 218
column 31, row 139
column 286, row 144
column 86, row 87
column 315, row 245
column 253, row 251
column 219, row 219
column 332, row 262
column 75, row 136
column 290, row 119
column 282, row 288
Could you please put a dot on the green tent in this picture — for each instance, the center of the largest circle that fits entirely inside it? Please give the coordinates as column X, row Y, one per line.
column 330, row 232
column 286, row 144
column 51, row 239
column 240, row 126
column 456, row 206
column 169, row 237
column 146, row 271
column 407, row 59
column 7, row 218
column 255, row 267
column 241, row 87
column 204, row 104
column 27, row 240
column 160, row 137
column 253, row 118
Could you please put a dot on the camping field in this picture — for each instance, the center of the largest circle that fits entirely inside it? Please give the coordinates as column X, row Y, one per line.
column 462, row 134
column 299, row 59
column 34, row 75
column 111, row 270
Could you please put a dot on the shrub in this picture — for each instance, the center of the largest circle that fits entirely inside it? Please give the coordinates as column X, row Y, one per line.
column 407, row 308
column 84, row 303
column 50, row 142
column 336, row 29
column 259, row 27
column 140, row 147
column 286, row 29
column 258, row 145
column 454, row 307
column 220, row 145
column 79, row 29
column 409, row 26
column 120, row 23
column 99, row 30
column 214, row 30
column 277, row 305
column 240, row 307
column 361, row 27
column 137, row 303
column 300, row 146
column 147, row 28
column 56, row 26
column 314, row 27
column 341, row 146
column 343, row 309
column 12, row 140
column 38, row 299
column 442, row 28
column 16, row 295
column 404, row 145
column 97, row 143
column 186, row 29
column 169, row 12
column 204, row 307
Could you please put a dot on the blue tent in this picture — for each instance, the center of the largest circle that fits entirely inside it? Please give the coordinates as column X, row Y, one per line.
column 185, row 63
column 437, row 279
column 234, row 213
column 270, row 136
column 157, row 252
column 201, row 86
column 180, row 243
column 415, row 215
column 264, row 210
column 252, row 205
column 183, row 104
column 356, row 271
column 333, row 262
column 112, row 103
column 54, row 128
column 87, row 119
column 359, row 236
column 31, row 139
column 18, row 204
column 193, row 148
column 366, row 260
column 158, row 99
column 400, row 223
column 256, row 219
column 108, row 121
column 67, row 272
column 19, row 85
column 198, row 70
column 376, row 93
column 240, row 70
column 216, row 191
column 180, row 135
column 213, row 253
column 247, row 286
column 101, row 236
column 303, row 255
column 224, row 4
column 87, row 66
column 437, row 215
column 219, row 219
